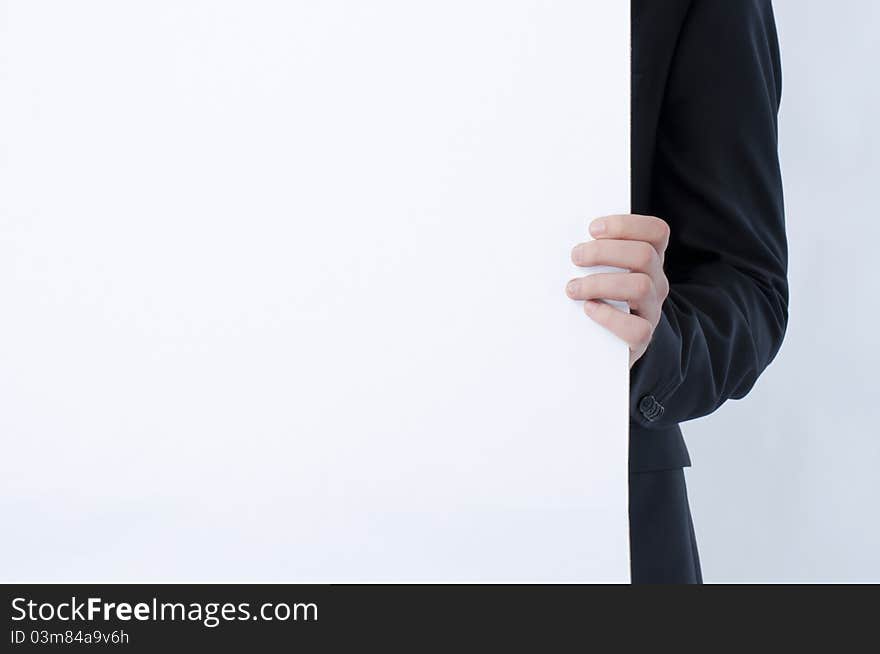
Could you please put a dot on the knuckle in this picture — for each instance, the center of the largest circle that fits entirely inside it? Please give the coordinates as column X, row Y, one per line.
column 646, row 255
column 586, row 253
column 587, row 285
column 663, row 291
column 616, row 226
column 665, row 230
column 642, row 285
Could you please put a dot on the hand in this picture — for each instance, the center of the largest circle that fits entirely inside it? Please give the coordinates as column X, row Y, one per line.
column 637, row 244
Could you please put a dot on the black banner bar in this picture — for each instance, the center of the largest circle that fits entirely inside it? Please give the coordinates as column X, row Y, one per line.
column 247, row 617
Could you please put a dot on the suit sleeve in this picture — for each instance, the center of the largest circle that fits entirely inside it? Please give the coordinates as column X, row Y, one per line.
column 716, row 180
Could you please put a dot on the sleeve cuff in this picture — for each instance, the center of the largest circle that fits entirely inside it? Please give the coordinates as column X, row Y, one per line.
column 654, row 378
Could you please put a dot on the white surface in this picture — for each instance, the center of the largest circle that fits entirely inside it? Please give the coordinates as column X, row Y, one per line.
column 785, row 484
column 282, row 286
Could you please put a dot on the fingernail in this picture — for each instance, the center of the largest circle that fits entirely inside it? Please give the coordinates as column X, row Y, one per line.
column 571, row 288
column 590, row 307
column 598, row 227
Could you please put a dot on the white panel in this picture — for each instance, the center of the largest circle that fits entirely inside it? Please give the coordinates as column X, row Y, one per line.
column 283, row 290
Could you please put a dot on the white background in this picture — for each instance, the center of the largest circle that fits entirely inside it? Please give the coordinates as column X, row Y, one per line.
column 786, row 484
column 283, row 291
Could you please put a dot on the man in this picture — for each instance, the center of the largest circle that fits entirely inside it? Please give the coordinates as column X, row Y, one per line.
column 705, row 248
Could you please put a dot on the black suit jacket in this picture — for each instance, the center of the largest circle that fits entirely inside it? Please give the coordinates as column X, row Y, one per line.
column 706, row 91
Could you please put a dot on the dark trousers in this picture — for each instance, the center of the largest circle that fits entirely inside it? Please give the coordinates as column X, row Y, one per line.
column 662, row 541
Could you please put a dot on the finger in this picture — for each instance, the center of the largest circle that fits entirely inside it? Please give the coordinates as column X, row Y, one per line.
column 636, row 289
column 635, row 256
column 631, row 227
column 627, row 287
column 633, row 330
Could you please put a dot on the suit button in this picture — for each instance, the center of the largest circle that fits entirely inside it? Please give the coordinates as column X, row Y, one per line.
column 650, row 408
